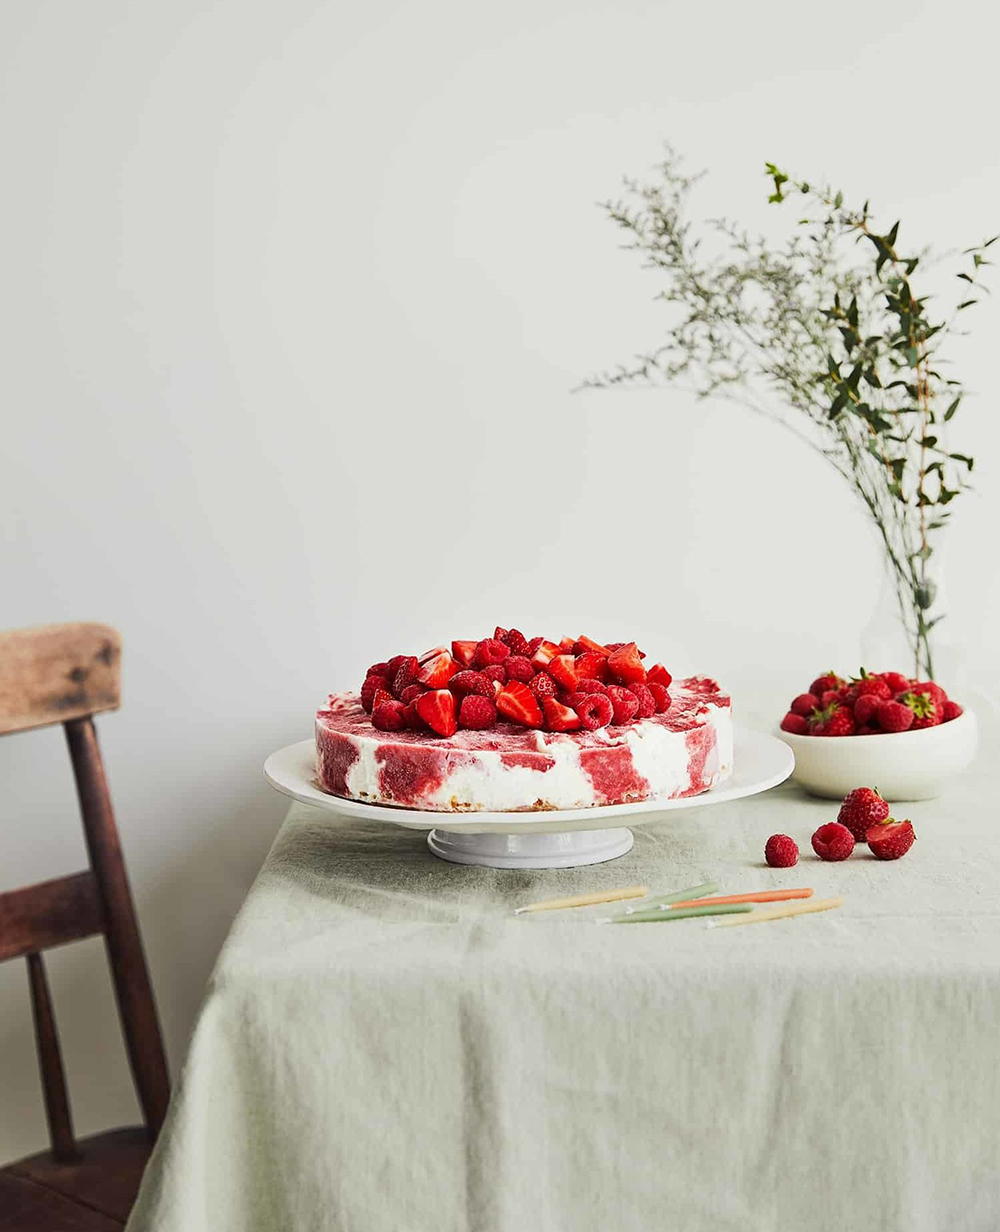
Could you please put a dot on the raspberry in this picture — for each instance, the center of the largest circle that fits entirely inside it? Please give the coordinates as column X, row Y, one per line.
column 369, row 688
column 490, row 651
column 781, row 851
column 804, row 704
column 795, row 724
column 894, row 717
column 517, row 643
column 862, row 809
column 382, row 669
column 594, row 709
column 495, row 671
column 890, row 840
column 589, row 685
column 542, row 685
column 660, row 696
column 405, row 674
column 471, row 682
column 389, row 716
column 949, row 711
column 833, row 841
column 867, row 730
column 865, row 708
column 476, row 712
column 647, row 703
column 830, row 680
column 410, row 693
column 519, row 668
column 624, row 704
column 897, row 682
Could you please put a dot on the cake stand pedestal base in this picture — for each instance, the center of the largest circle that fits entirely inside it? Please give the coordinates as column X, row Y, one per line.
column 566, row 850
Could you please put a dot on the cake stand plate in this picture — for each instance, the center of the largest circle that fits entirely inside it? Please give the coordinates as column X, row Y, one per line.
column 557, row 838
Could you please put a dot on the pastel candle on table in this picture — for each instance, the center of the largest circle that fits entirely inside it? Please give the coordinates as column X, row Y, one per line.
column 585, row 900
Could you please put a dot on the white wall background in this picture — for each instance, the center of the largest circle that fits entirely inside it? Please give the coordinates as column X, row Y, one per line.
column 292, row 296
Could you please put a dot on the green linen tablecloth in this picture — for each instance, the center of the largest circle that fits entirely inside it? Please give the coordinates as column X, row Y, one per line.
column 385, row 1046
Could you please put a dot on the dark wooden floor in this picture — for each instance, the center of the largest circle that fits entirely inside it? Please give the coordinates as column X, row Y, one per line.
column 94, row 1194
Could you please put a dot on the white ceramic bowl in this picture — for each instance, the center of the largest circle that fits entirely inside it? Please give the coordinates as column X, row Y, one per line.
column 913, row 765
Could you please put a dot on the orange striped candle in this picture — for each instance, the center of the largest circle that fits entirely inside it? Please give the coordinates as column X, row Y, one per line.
column 759, row 896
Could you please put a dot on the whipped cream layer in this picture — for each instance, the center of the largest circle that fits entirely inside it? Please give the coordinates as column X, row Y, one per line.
column 513, row 769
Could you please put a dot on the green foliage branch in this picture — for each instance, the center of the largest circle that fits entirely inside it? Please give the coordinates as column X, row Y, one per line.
column 826, row 334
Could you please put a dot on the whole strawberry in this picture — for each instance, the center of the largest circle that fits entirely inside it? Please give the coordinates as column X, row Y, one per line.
column 833, row 841
column 950, row 710
column 795, row 724
column 865, row 709
column 869, row 686
column 832, row 720
column 897, row 682
column 830, row 680
column 894, row 717
column 804, row 704
column 890, row 840
column 862, row 808
column 925, row 710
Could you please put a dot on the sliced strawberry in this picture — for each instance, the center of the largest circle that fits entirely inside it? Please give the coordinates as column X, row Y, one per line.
column 543, row 653
column 381, row 695
column 432, row 654
column 406, row 675
column 500, row 633
column 625, row 665
column 436, row 672
column 658, row 674
column 591, row 666
column 516, row 702
column 588, row 643
column 370, row 687
column 559, row 718
column 566, row 645
column 562, row 669
column 437, row 709
column 463, row 652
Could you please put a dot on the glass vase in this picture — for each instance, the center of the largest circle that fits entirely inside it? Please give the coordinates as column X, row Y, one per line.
column 908, row 630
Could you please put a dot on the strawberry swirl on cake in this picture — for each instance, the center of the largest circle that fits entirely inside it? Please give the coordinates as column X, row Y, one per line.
column 512, row 724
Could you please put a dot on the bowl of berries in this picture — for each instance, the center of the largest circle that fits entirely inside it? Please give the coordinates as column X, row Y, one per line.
column 904, row 734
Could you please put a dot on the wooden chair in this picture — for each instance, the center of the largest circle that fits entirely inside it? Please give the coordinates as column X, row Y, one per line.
column 66, row 674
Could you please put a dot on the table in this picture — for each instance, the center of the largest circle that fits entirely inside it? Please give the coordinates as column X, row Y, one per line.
column 384, row 1046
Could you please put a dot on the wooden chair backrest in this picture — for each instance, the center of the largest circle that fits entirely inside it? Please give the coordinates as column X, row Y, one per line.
column 66, row 674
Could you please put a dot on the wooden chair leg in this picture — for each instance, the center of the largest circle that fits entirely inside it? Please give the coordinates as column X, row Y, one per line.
column 133, row 990
column 57, row 1111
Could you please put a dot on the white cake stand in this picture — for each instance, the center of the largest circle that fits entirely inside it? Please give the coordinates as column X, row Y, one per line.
column 560, row 838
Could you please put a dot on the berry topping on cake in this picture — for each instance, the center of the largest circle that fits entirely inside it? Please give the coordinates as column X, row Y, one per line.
column 476, row 712
column 590, row 685
column 437, row 710
column 516, row 702
column 559, row 718
column 625, row 664
column 489, row 651
column 624, row 705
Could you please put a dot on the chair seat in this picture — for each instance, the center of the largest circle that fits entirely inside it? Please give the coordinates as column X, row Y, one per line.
column 93, row 1194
